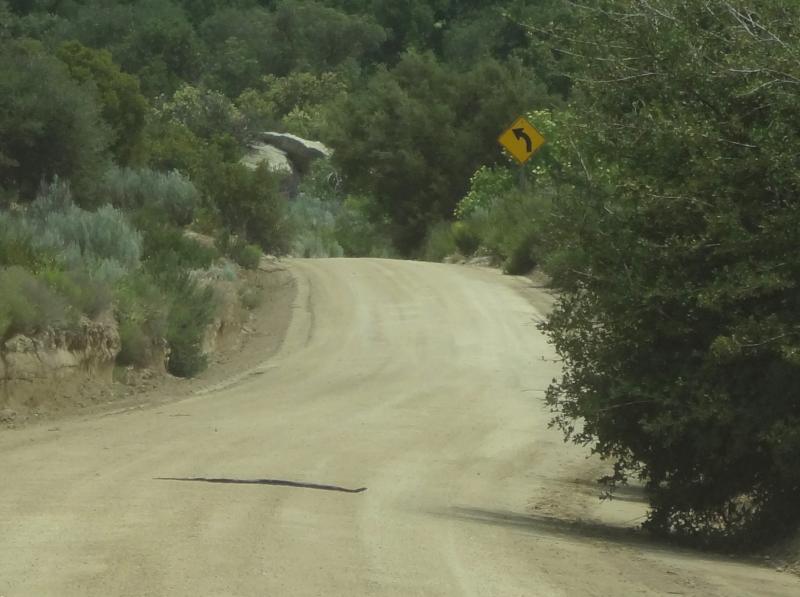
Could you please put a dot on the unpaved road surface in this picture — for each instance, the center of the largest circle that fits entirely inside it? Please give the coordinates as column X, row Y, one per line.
column 395, row 445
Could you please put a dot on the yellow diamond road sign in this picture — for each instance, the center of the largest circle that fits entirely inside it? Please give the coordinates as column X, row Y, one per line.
column 522, row 140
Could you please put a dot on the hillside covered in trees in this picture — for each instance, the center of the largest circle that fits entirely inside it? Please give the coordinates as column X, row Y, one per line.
column 122, row 123
column 664, row 207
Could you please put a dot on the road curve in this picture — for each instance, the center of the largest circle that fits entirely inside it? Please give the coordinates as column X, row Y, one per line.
column 396, row 445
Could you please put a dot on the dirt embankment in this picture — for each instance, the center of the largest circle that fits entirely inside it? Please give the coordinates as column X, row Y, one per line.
column 55, row 368
column 60, row 373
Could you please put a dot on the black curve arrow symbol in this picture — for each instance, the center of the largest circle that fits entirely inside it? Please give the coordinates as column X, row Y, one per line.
column 520, row 134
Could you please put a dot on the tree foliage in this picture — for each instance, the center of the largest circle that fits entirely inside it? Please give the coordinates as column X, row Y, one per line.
column 49, row 124
column 423, row 129
column 679, row 224
column 122, row 106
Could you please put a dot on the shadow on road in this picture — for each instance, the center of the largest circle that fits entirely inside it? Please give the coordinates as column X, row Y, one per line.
column 582, row 530
column 277, row 482
column 550, row 525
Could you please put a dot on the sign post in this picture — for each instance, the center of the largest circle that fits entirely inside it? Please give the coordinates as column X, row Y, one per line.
column 522, row 141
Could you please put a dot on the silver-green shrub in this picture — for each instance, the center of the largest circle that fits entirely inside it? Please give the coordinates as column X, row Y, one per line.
column 314, row 225
column 131, row 189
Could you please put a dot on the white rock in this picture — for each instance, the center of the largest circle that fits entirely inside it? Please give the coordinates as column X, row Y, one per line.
column 262, row 153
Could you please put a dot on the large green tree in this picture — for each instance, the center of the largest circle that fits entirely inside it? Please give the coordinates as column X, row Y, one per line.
column 49, row 124
column 678, row 222
column 413, row 136
column 152, row 39
column 122, row 105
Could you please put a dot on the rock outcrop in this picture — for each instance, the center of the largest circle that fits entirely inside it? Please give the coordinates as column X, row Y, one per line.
column 300, row 151
column 275, row 159
column 284, row 152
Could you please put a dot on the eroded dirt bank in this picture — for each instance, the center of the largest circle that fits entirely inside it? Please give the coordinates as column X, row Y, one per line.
column 54, row 375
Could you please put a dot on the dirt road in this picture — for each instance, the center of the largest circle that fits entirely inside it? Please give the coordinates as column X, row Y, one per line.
column 396, row 445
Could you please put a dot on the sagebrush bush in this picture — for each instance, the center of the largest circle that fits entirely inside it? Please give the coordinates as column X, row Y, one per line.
column 170, row 192
column 81, row 239
column 16, row 244
column 53, row 230
column 314, row 228
column 28, row 304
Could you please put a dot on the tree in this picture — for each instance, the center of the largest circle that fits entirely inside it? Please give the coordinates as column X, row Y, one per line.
column 204, row 112
column 152, row 39
column 312, row 37
column 241, row 48
column 306, row 36
column 122, row 105
column 49, row 125
column 296, row 102
column 679, row 324
column 413, row 136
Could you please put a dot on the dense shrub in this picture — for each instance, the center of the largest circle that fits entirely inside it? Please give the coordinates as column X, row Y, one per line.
column 297, row 101
column 168, row 252
column 135, row 345
column 246, row 255
column 678, row 219
column 192, row 309
column 439, row 243
column 250, row 204
column 505, row 221
column 86, row 295
column 361, row 231
column 466, row 238
column 141, row 309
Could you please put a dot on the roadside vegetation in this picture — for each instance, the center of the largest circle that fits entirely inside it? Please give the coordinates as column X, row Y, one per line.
column 663, row 208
